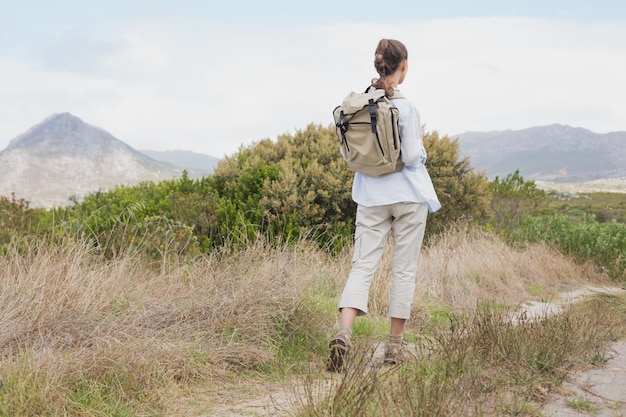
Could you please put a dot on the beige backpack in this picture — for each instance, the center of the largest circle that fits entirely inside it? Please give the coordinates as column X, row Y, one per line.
column 367, row 127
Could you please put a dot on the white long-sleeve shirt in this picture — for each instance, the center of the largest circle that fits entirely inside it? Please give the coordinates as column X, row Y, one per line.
column 412, row 183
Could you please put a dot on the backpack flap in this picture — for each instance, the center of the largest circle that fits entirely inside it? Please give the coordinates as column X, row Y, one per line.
column 357, row 101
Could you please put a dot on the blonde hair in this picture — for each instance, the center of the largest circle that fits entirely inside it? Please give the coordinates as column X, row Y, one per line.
column 389, row 55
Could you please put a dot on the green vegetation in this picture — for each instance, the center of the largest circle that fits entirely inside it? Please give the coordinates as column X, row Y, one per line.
column 580, row 404
column 605, row 207
column 513, row 198
column 17, row 220
column 604, row 244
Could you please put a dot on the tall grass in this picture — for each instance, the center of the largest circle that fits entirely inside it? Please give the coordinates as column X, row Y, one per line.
column 80, row 333
column 86, row 334
column 482, row 365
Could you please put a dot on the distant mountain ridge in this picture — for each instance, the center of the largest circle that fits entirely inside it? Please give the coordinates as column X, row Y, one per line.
column 185, row 159
column 63, row 156
column 558, row 153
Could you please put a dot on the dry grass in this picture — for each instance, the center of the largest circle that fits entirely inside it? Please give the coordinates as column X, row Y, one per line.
column 466, row 266
column 482, row 365
column 69, row 317
column 84, row 335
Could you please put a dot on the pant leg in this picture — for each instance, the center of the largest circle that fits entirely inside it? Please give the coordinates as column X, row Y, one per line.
column 408, row 233
column 373, row 225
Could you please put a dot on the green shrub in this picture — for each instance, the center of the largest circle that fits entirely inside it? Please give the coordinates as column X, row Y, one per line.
column 297, row 185
column 17, row 219
column 606, row 207
column 585, row 239
column 125, row 215
column 512, row 198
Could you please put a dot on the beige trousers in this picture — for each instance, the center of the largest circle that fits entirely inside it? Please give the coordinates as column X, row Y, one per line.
column 406, row 222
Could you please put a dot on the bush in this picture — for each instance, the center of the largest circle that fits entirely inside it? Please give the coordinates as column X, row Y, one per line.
column 295, row 186
column 585, row 240
column 18, row 219
column 512, row 198
column 111, row 218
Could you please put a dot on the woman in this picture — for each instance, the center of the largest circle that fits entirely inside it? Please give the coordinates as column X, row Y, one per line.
column 395, row 204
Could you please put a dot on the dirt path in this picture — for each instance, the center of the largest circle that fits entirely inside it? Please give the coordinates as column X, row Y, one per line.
column 599, row 392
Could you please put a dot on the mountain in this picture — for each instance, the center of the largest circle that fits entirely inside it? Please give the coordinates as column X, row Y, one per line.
column 186, row 159
column 555, row 153
column 63, row 156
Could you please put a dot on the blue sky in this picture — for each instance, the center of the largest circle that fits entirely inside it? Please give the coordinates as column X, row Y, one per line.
column 196, row 76
column 77, row 13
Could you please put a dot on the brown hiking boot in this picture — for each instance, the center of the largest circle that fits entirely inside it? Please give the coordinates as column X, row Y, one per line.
column 339, row 348
column 395, row 353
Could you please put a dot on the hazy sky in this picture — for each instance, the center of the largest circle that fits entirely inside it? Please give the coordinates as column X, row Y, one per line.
column 211, row 76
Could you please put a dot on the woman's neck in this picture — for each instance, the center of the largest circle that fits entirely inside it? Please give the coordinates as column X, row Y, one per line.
column 393, row 80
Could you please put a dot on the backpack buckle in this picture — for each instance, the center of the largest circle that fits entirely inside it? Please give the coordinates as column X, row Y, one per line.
column 372, row 108
column 340, row 124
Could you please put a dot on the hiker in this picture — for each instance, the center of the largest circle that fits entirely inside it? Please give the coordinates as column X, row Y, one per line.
column 395, row 204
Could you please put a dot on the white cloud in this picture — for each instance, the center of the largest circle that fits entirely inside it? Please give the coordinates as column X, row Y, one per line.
column 165, row 85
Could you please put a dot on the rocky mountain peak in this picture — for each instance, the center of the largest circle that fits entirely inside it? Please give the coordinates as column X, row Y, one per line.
column 63, row 156
column 67, row 135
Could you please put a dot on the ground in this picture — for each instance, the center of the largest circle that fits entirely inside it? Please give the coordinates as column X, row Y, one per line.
column 597, row 391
